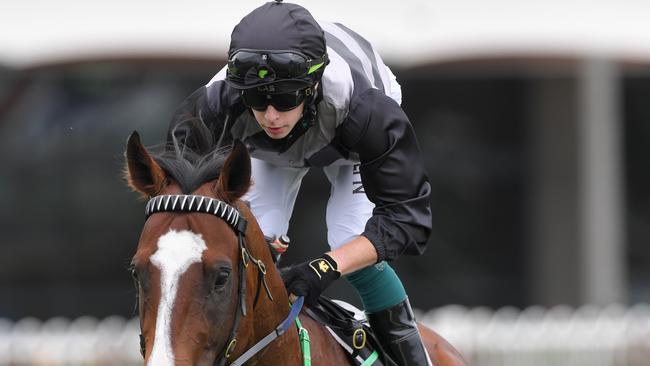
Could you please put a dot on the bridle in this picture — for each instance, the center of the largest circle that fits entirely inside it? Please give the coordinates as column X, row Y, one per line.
column 231, row 215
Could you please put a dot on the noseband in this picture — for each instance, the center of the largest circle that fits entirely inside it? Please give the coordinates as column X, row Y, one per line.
column 229, row 214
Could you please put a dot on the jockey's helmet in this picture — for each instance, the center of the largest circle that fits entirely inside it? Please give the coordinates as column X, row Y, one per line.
column 278, row 48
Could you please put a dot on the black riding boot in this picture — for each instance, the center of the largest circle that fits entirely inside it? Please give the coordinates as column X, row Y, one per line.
column 398, row 333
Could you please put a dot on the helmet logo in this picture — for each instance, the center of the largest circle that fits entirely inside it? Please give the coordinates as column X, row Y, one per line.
column 266, row 88
column 262, row 73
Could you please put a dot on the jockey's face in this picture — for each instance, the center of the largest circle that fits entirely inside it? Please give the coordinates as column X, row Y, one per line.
column 278, row 124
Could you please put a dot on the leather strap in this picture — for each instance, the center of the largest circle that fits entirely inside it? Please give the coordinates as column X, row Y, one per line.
column 278, row 331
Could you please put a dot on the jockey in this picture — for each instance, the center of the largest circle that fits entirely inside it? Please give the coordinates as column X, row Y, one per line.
column 302, row 94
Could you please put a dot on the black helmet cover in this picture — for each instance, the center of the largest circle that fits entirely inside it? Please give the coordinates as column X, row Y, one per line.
column 274, row 31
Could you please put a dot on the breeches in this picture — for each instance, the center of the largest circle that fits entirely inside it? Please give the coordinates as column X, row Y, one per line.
column 272, row 197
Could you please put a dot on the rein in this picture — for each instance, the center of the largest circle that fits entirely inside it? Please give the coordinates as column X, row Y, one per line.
column 229, row 214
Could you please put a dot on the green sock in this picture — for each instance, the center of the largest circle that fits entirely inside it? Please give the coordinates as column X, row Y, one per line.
column 378, row 286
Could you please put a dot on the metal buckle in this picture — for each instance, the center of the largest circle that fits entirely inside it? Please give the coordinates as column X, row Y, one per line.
column 261, row 266
column 363, row 338
column 244, row 257
column 231, row 347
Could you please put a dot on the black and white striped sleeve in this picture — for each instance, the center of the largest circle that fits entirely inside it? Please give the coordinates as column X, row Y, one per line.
column 392, row 173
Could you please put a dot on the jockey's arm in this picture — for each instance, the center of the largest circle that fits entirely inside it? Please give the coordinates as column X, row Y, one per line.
column 393, row 176
column 208, row 107
column 354, row 255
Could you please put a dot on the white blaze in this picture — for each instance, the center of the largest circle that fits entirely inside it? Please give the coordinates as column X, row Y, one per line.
column 177, row 250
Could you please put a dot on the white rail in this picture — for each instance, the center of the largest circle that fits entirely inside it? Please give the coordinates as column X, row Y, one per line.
column 59, row 341
column 610, row 336
column 594, row 336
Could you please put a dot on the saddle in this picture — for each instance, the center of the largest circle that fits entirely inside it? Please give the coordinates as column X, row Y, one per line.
column 349, row 326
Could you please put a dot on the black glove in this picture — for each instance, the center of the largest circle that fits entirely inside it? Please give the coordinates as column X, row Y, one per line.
column 311, row 278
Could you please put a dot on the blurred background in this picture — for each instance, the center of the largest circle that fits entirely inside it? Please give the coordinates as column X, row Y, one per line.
column 532, row 124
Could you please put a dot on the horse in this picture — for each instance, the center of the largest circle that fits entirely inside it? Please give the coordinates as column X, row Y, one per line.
column 208, row 292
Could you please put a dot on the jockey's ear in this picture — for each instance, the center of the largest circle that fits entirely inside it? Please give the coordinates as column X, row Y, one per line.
column 142, row 173
column 235, row 177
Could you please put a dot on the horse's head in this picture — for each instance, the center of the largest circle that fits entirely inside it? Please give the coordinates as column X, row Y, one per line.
column 193, row 254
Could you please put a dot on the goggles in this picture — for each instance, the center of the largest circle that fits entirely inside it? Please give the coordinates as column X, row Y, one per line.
column 255, row 66
column 283, row 102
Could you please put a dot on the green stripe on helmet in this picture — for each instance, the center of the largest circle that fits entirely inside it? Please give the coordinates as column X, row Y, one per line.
column 315, row 67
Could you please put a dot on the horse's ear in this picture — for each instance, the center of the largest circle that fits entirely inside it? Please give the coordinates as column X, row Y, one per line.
column 142, row 173
column 235, row 177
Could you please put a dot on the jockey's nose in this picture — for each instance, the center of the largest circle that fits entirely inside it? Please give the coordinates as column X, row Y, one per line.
column 271, row 114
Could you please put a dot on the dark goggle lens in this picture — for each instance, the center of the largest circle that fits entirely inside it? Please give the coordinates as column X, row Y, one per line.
column 241, row 62
column 286, row 65
column 282, row 102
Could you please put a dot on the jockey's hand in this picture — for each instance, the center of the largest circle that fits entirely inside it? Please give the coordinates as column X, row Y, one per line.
column 310, row 279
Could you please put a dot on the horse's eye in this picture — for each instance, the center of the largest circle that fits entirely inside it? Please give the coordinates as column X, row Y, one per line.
column 221, row 280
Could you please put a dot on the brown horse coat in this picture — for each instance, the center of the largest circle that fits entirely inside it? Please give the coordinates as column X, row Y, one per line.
column 200, row 313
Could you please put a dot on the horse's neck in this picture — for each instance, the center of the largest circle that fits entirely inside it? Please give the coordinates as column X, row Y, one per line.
column 270, row 313
column 267, row 316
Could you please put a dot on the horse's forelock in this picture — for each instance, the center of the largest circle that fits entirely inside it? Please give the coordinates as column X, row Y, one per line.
column 192, row 156
column 189, row 169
